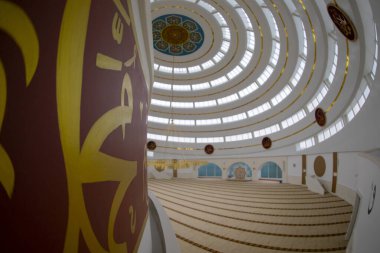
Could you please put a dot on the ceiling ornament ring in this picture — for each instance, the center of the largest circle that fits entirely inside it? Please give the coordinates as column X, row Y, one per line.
column 151, row 145
column 266, row 142
column 209, row 149
column 342, row 21
column 320, row 117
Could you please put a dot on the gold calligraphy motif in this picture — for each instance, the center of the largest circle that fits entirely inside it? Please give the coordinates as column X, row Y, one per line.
column 86, row 163
column 133, row 215
column 342, row 21
column 15, row 22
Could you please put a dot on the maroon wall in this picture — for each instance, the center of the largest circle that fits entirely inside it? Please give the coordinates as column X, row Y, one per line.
column 73, row 128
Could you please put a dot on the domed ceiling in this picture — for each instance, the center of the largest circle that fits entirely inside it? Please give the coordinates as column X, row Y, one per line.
column 239, row 75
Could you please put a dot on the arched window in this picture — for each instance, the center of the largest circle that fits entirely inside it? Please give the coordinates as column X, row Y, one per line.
column 271, row 170
column 210, row 170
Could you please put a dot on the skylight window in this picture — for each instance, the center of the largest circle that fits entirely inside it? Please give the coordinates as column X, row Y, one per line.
column 203, row 104
column 250, row 40
column 219, row 81
column 272, row 23
column 248, row 90
column 210, row 140
column 156, row 137
column 181, row 87
column 162, row 86
column 293, row 119
column 160, row 102
column 246, row 58
column 180, row 70
column 308, row 143
column 261, row 3
column 334, row 65
column 318, row 98
column 300, row 68
column 200, row 86
column 218, row 57
column 225, row 46
column 375, row 57
column 158, row 119
column 228, row 99
column 206, row 122
column 206, row 6
column 181, row 139
column 330, row 131
column 275, row 52
column 374, row 67
column 233, row 3
column 243, row 15
column 165, row 69
column 258, row 110
column 236, row 71
column 184, row 122
column 304, row 39
column 220, row 19
column 194, row 69
column 226, row 33
column 359, row 101
column 182, row 104
column 281, row 95
column 265, row 75
column 234, row 118
column 208, row 64
column 266, row 131
column 239, row 137
column 323, row 89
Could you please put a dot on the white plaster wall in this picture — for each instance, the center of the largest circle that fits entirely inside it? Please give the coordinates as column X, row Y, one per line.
column 186, row 173
column 295, row 169
column 365, row 237
column 348, row 166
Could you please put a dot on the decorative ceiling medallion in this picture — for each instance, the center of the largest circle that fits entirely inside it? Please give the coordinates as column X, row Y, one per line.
column 176, row 34
column 266, row 142
column 320, row 117
column 319, row 166
column 151, row 145
column 342, row 21
column 209, row 149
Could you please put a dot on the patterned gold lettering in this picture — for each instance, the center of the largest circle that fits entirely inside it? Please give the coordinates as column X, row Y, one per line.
column 15, row 22
column 117, row 28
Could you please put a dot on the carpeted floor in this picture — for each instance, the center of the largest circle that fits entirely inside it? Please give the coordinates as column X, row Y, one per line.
column 231, row 216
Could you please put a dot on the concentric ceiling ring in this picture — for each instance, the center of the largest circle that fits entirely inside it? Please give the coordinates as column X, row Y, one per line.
column 274, row 94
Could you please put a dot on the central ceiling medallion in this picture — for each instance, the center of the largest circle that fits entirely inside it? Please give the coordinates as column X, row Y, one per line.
column 176, row 35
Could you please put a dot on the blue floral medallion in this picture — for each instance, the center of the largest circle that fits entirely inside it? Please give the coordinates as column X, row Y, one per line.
column 177, row 35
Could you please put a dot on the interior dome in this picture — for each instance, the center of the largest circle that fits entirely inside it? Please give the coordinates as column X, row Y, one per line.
column 259, row 73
